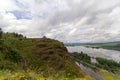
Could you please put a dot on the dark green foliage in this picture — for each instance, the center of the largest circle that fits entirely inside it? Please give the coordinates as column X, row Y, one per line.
column 17, row 35
column 9, row 53
column 1, row 32
column 8, row 56
column 109, row 65
column 12, row 55
column 1, row 45
column 81, row 57
column 7, row 65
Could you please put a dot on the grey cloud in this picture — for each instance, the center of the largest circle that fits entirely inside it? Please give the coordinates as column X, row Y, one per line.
column 71, row 20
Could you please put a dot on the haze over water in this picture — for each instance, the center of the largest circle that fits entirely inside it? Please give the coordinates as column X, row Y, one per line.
column 104, row 53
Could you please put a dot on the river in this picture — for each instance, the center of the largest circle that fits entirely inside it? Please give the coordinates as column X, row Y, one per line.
column 93, row 52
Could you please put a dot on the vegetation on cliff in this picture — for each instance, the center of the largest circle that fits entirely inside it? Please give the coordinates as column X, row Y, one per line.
column 44, row 56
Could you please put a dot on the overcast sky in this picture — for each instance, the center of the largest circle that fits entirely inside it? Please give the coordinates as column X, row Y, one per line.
column 65, row 20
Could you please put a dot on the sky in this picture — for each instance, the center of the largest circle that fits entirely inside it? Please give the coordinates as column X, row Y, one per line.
column 64, row 20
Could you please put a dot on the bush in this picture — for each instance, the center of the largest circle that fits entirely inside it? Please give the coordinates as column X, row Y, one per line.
column 109, row 65
column 13, row 56
column 81, row 57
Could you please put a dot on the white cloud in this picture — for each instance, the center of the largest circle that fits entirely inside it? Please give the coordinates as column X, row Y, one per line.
column 8, row 5
column 66, row 20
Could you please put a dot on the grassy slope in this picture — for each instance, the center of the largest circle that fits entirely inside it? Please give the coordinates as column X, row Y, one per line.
column 108, row 76
column 47, row 56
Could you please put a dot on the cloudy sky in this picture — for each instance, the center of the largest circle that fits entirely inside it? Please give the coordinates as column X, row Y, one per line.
column 65, row 20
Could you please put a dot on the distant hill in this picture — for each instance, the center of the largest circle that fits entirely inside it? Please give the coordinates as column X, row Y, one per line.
column 106, row 45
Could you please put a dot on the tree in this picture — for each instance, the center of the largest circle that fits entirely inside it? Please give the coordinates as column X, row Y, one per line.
column 1, row 33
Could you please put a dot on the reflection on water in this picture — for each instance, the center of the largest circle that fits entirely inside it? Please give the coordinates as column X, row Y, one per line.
column 104, row 53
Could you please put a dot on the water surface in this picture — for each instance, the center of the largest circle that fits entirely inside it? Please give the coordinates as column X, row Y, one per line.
column 104, row 53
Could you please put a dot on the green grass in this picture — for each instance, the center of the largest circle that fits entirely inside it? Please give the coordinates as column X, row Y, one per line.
column 31, row 75
column 109, row 76
column 47, row 56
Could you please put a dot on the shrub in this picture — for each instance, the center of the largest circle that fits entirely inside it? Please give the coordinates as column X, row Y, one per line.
column 13, row 56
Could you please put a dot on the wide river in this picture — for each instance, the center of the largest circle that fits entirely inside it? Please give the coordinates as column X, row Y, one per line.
column 104, row 53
